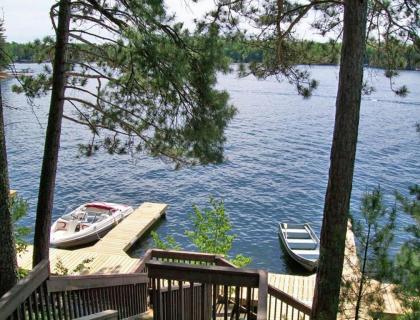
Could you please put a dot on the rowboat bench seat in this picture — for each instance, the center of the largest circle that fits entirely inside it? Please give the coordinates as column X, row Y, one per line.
column 308, row 254
column 306, row 244
column 297, row 234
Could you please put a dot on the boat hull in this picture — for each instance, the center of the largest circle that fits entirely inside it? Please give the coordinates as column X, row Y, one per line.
column 308, row 264
column 81, row 241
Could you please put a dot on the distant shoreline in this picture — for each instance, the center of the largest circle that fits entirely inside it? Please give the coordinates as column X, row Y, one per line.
column 233, row 62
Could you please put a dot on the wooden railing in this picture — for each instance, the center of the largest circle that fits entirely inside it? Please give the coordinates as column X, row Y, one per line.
column 280, row 305
column 206, row 292
column 68, row 297
column 185, row 257
column 77, row 296
column 180, row 284
column 24, row 298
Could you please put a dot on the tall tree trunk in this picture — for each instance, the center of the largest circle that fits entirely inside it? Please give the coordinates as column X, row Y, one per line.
column 52, row 139
column 8, row 265
column 343, row 153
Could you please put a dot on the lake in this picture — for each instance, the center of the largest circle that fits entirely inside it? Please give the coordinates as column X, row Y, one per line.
column 277, row 164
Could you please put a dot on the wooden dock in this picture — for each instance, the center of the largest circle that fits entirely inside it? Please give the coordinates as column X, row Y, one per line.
column 108, row 255
column 299, row 287
column 70, row 259
column 121, row 238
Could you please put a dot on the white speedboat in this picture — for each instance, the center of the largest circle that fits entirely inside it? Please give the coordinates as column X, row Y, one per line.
column 301, row 243
column 87, row 223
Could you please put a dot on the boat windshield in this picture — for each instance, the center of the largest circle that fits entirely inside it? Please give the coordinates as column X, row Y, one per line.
column 88, row 214
column 94, row 216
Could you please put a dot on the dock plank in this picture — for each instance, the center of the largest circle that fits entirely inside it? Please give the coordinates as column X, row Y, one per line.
column 131, row 229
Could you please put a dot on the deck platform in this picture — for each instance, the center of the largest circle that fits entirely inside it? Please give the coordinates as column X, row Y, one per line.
column 110, row 253
column 70, row 259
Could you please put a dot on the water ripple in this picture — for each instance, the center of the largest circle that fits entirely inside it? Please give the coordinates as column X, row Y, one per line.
column 277, row 169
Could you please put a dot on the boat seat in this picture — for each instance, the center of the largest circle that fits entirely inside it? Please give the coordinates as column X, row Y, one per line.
column 84, row 225
column 306, row 244
column 303, row 252
column 297, row 234
column 61, row 225
column 308, row 254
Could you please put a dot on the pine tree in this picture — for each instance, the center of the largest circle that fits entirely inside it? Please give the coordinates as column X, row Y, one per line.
column 407, row 264
column 138, row 81
column 274, row 24
column 363, row 289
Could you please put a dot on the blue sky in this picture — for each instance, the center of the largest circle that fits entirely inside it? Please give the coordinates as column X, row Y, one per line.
column 27, row 20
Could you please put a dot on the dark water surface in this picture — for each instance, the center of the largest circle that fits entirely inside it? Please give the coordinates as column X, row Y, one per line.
column 278, row 157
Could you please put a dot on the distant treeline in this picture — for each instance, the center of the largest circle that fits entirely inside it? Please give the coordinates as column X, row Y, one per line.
column 396, row 55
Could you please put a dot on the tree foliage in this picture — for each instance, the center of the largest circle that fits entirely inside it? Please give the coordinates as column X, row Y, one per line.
column 140, row 82
column 19, row 209
column 3, row 61
column 168, row 243
column 211, row 233
column 246, row 51
column 276, row 29
column 407, row 264
column 362, row 292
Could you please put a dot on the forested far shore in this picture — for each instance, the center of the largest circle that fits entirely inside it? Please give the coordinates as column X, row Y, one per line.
column 402, row 57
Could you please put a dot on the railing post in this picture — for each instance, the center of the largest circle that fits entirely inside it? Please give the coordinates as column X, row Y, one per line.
column 262, row 296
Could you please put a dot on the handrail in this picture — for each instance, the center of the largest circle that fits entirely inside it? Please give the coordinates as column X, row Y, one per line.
column 290, row 300
column 203, row 274
column 184, row 255
column 220, row 261
column 71, row 283
column 23, row 289
column 181, row 256
column 104, row 315
column 225, row 263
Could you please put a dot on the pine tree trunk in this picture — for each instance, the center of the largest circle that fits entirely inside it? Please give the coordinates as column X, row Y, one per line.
column 8, row 265
column 343, row 153
column 52, row 139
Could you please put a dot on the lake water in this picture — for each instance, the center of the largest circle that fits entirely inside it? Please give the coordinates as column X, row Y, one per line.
column 277, row 161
